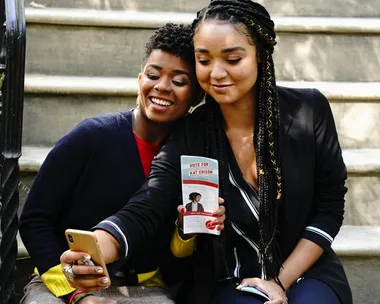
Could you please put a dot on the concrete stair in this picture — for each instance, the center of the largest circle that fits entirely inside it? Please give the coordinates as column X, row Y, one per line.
column 286, row 7
column 89, row 96
column 359, row 250
column 312, row 49
column 83, row 57
column 363, row 166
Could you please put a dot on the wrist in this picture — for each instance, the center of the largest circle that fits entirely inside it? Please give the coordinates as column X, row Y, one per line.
column 80, row 296
column 69, row 298
column 279, row 283
column 66, row 298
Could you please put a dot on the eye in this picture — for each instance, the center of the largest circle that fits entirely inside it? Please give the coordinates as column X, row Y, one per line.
column 203, row 61
column 152, row 76
column 233, row 61
column 179, row 83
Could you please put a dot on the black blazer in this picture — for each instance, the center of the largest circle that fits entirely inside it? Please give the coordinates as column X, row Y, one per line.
column 314, row 177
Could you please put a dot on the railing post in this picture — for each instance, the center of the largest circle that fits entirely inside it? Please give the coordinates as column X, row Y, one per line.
column 12, row 69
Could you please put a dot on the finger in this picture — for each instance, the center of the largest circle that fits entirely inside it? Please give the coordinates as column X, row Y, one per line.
column 181, row 209
column 220, row 201
column 220, row 220
column 220, row 227
column 247, row 282
column 87, row 270
column 276, row 301
column 69, row 257
column 219, row 212
column 88, row 284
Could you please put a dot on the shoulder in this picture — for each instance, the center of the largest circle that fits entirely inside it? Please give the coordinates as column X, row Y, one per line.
column 302, row 101
column 297, row 96
column 107, row 121
column 103, row 125
column 190, row 135
column 92, row 131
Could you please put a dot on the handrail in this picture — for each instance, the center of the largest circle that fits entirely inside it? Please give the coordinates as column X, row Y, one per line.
column 12, row 71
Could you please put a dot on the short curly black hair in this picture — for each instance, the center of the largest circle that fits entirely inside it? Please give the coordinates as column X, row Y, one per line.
column 176, row 39
column 193, row 195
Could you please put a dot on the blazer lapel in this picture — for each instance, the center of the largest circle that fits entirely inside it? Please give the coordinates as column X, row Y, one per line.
column 290, row 171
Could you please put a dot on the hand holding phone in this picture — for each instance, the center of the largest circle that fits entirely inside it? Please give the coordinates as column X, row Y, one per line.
column 86, row 241
column 256, row 291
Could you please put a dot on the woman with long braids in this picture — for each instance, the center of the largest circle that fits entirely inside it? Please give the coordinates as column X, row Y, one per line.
column 281, row 173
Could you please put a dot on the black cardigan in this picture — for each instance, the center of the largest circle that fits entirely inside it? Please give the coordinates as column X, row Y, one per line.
column 89, row 175
column 314, row 177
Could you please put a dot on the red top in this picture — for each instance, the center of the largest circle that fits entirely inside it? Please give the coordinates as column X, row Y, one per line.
column 147, row 152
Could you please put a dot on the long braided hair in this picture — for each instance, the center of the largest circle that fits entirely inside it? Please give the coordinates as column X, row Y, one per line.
column 258, row 26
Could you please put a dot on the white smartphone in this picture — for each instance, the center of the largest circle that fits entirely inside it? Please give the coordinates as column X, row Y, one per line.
column 86, row 241
column 254, row 290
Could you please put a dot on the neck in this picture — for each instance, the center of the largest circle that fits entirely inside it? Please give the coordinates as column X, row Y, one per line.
column 149, row 131
column 240, row 116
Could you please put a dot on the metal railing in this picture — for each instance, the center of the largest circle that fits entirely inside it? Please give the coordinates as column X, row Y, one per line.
column 12, row 70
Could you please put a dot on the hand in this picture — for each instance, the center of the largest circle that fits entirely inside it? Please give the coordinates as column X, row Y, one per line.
column 96, row 300
column 275, row 292
column 219, row 213
column 87, row 278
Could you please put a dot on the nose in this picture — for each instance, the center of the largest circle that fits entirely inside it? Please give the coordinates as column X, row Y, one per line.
column 218, row 71
column 163, row 85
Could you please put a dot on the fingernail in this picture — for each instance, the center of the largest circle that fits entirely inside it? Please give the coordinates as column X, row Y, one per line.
column 219, row 228
column 105, row 280
column 99, row 270
column 87, row 257
column 239, row 287
column 214, row 213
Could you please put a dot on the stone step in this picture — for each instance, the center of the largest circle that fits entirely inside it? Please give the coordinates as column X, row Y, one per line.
column 287, row 7
column 359, row 250
column 55, row 104
column 362, row 199
column 313, row 49
column 358, row 161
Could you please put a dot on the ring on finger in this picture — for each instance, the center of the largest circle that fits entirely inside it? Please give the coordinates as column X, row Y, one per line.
column 68, row 272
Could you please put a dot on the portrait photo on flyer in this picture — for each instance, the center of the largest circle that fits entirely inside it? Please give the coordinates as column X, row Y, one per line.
column 200, row 192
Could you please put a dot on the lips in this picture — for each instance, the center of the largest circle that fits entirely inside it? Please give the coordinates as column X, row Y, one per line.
column 221, row 85
column 221, row 89
column 161, row 102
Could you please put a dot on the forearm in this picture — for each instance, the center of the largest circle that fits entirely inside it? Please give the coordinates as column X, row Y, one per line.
column 109, row 246
column 304, row 255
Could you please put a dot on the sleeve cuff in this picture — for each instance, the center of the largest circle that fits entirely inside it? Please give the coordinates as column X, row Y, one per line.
column 113, row 226
column 318, row 236
column 182, row 248
column 56, row 281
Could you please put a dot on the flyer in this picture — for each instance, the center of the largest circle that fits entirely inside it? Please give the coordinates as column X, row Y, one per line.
column 200, row 193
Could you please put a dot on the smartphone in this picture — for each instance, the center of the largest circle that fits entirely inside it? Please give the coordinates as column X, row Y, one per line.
column 254, row 290
column 86, row 241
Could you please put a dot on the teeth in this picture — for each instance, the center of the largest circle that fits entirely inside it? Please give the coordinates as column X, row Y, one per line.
column 161, row 102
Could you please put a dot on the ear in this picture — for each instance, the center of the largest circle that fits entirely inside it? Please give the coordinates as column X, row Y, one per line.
column 138, row 82
column 258, row 57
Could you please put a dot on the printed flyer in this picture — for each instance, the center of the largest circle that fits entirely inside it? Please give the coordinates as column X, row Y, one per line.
column 200, row 193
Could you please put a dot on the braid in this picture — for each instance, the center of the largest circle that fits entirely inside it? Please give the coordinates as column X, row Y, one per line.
column 260, row 30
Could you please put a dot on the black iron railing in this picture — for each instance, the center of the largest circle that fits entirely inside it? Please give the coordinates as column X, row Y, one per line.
column 12, row 70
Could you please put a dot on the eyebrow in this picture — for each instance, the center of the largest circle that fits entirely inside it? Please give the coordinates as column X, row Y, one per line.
column 227, row 50
column 176, row 71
